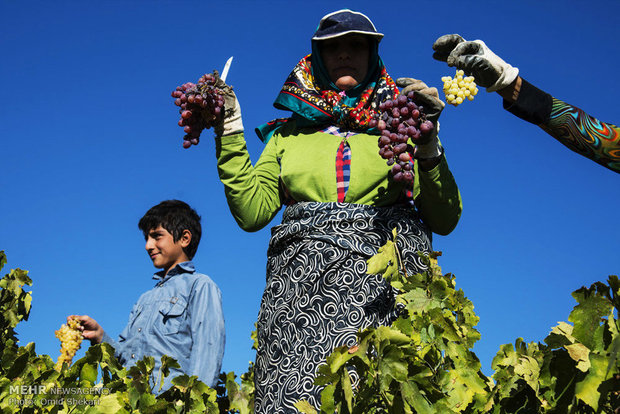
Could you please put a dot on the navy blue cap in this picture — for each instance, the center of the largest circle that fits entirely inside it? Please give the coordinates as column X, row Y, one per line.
column 345, row 21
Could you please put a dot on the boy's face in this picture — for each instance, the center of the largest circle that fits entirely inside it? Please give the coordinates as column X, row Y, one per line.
column 163, row 250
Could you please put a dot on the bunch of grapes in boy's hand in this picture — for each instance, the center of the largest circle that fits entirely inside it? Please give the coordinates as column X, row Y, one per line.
column 70, row 336
column 201, row 106
column 402, row 119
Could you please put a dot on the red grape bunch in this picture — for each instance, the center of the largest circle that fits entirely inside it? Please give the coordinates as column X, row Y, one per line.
column 201, row 106
column 401, row 119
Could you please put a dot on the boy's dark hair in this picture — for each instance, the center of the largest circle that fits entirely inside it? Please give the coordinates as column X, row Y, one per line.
column 174, row 216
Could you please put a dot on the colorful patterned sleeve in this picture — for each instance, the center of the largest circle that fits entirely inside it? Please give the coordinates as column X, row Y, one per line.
column 570, row 125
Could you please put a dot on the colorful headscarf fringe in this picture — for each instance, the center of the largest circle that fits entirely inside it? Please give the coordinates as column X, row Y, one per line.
column 315, row 104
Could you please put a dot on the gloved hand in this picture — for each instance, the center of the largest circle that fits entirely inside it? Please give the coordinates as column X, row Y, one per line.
column 232, row 122
column 410, row 84
column 428, row 146
column 476, row 59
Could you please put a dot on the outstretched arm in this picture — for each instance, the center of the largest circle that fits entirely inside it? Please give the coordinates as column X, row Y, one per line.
column 570, row 125
column 574, row 128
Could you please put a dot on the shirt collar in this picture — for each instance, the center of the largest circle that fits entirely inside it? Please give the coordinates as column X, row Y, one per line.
column 185, row 267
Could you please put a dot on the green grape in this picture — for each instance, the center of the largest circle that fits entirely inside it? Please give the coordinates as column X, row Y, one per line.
column 70, row 337
column 459, row 89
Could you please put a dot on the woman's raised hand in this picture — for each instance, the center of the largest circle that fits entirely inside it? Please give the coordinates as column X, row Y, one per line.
column 416, row 85
column 232, row 122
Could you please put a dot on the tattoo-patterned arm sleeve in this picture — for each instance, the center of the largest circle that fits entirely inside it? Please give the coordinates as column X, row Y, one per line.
column 574, row 128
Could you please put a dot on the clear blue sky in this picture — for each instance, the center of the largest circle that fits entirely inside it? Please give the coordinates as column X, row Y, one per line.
column 89, row 142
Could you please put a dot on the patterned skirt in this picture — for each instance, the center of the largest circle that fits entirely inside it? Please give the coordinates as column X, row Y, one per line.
column 318, row 294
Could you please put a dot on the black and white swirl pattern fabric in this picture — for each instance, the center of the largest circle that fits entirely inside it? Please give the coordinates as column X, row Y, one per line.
column 318, row 294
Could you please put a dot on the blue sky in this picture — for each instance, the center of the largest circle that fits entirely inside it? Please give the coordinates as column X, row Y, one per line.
column 89, row 142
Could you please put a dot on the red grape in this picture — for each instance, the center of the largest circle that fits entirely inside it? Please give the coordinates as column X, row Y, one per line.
column 201, row 106
column 399, row 120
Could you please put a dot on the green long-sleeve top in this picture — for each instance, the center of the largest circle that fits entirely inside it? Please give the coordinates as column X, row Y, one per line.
column 301, row 162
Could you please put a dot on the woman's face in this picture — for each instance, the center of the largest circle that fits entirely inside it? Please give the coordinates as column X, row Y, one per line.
column 346, row 59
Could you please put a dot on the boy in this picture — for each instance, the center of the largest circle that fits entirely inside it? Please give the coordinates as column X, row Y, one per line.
column 182, row 315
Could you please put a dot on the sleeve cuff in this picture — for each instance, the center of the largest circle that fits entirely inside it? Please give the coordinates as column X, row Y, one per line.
column 225, row 140
column 533, row 105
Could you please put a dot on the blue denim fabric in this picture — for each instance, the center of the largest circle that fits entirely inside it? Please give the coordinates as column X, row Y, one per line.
column 180, row 317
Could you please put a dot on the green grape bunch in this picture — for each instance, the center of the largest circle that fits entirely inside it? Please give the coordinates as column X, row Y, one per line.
column 70, row 336
column 460, row 88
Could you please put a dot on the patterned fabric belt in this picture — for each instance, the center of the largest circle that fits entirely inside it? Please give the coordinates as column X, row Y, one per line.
column 368, row 227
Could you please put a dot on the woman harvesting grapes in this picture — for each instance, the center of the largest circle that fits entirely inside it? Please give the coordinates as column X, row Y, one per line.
column 342, row 203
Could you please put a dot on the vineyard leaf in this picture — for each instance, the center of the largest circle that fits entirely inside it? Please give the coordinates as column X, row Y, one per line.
column 167, row 362
column 528, row 369
column 21, row 277
column 305, row 407
column 418, row 301
column 411, row 395
column 89, row 373
column 146, row 400
column 394, row 336
column 586, row 316
column 385, row 262
column 404, row 325
column 456, row 387
column 580, row 354
column 613, row 354
column 18, row 366
column 587, row 389
column 338, row 358
column 106, row 404
column 26, row 304
column 347, row 389
column 439, row 289
column 328, row 404
column 134, row 397
column 393, row 364
column 254, row 337
column 2, row 259
column 614, row 284
column 160, row 407
column 561, row 335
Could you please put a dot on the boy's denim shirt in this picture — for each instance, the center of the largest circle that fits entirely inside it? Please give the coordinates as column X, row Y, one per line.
column 180, row 317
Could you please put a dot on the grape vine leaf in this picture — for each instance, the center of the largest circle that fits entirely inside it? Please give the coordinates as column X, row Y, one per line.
column 305, row 407
column 560, row 335
column 587, row 389
column 385, row 262
column 412, row 396
column 580, row 354
column 89, row 373
column 586, row 316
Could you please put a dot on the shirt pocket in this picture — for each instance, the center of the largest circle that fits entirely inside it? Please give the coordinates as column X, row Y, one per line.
column 171, row 316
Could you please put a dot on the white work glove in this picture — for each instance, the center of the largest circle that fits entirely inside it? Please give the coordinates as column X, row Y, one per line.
column 476, row 59
column 232, row 122
column 429, row 98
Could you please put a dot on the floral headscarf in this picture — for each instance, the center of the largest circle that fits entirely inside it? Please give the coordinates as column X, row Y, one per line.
column 315, row 100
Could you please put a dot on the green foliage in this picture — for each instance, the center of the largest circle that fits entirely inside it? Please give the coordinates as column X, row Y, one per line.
column 576, row 370
column 239, row 398
column 30, row 384
column 422, row 363
column 14, row 301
